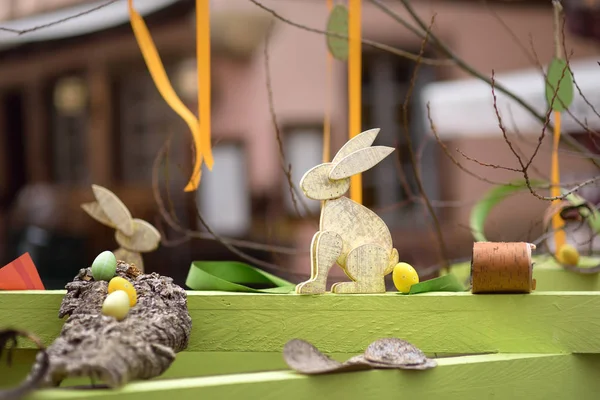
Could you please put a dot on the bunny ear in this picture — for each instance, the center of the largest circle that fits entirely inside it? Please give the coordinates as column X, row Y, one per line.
column 145, row 237
column 316, row 184
column 94, row 210
column 358, row 142
column 114, row 209
column 359, row 161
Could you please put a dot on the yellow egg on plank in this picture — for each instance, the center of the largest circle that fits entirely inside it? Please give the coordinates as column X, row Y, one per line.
column 116, row 305
column 568, row 255
column 404, row 276
column 118, row 283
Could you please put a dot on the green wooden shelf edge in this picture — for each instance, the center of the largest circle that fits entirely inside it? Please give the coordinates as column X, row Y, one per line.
column 530, row 376
column 458, row 323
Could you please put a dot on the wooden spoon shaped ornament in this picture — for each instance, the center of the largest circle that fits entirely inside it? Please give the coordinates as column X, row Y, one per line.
column 134, row 235
column 386, row 353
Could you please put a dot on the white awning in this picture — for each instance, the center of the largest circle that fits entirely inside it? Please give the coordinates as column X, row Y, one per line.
column 107, row 17
column 464, row 108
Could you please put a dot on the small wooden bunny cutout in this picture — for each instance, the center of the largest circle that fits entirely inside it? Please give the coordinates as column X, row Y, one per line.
column 349, row 233
column 134, row 235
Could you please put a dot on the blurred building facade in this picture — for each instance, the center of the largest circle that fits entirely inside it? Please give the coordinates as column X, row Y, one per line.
column 77, row 106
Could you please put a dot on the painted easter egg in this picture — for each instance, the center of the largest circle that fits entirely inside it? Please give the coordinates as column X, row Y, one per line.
column 116, row 305
column 104, row 266
column 404, row 276
column 118, row 283
column 568, row 254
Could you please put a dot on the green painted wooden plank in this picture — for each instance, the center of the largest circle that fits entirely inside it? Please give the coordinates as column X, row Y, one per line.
column 187, row 364
column 527, row 376
column 541, row 322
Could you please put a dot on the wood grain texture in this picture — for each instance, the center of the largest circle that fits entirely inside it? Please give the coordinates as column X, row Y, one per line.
column 502, row 267
column 359, row 161
column 349, row 234
column 530, row 376
column 540, row 322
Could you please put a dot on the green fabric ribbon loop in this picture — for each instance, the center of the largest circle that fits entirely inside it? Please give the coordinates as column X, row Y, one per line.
column 232, row 276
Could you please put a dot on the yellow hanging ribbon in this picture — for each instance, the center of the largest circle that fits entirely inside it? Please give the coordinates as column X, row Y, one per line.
column 200, row 130
column 560, row 236
column 354, row 85
column 328, row 90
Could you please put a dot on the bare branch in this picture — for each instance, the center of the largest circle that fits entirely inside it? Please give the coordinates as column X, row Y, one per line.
column 367, row 42
column 60, row 21
column 286, row 168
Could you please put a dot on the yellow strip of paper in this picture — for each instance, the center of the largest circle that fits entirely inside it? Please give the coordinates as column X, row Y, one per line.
column 328, row 90
column 354, row 85
column 161, row 80
column 204, row 88
column 559, row 234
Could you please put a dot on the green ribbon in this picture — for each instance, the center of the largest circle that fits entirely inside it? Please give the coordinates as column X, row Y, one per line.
column 232, row 276
column 444, row 283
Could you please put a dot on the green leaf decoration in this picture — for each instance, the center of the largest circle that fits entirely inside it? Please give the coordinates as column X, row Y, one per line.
column 482, row 209
column 559, row 76
column 445, row 283
column 338, row 24
column 233, row 276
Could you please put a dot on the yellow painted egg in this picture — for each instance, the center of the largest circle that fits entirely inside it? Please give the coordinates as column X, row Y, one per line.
column 116, row 305
column 118, row 283
column 568, row 254
column 404, row 276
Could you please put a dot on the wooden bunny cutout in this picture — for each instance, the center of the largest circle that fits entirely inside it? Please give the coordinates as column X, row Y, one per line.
column 349, row 233
column 134, row 235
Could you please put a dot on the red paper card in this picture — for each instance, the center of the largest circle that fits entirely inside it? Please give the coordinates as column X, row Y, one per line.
column 21, row 274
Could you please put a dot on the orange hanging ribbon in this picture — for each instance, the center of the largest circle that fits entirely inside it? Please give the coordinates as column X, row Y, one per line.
column 200, row 130
column 354, row 85
column 204, row 89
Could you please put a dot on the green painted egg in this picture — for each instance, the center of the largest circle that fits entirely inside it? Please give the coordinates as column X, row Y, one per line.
column 104, row 266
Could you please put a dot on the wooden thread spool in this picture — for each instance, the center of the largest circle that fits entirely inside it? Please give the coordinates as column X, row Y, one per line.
column 502, row 267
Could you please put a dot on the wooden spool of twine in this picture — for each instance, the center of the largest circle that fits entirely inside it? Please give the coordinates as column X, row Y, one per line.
column 502, row 267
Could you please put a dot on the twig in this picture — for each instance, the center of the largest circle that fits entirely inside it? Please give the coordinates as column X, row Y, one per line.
column 484, row 164
column 367, row 42
column 470, row 70
column 525, row 166
column 225, row 242
column 59, row 21
column 33, row 380
column 436, row 222
column 188, row 233
column 286, row 168
column 450, row 156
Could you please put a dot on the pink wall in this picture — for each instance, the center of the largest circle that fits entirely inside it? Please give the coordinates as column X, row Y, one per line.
column 298, row 64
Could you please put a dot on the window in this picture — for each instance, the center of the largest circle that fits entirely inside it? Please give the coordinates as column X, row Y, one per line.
column 145, row 121
column 69, row 117
column 386, row 80
column 223, row 194
column 303, row 148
